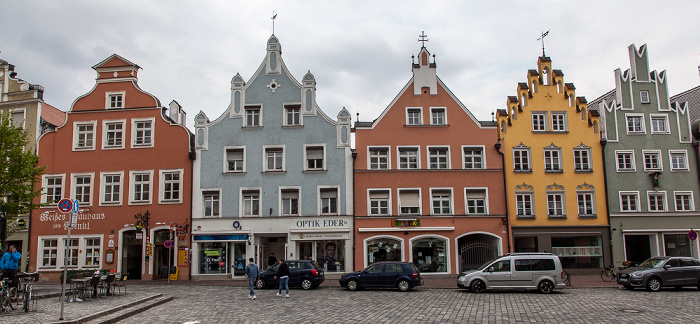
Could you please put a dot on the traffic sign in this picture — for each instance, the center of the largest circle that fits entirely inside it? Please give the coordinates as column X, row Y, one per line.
column 65, row 205
column 76, row 206
column 168, row 243
column 692, row 235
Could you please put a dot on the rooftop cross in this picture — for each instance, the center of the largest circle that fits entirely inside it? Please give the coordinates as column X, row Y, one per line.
column 422, row 38
column 542, row 39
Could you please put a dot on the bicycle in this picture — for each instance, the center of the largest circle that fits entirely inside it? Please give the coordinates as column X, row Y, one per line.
column 608, row 274
column 28, row 292
column 6, row 295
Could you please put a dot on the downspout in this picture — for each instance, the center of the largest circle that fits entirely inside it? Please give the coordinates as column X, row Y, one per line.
column 354, row 238
column 505, row 188
column 607, row 206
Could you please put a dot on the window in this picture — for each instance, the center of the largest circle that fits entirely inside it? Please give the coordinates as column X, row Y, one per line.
column 439, row 157
column 329, row 201
column 684, row 201
column 142, row 132
column 250, row 202
column 54, row 189
column 539, row 121
column 552, row 159
column 378, row 202
column 555, row 205
column 629, row 201
column 71, row 252
column 523, row 205
column 659, row 124
column 652, row 160
column 473, row 157
column 679, row 160
column 441, row 200
column 521, row 158
column 49, row 253
column 413, row 116
column 657, row 201
column 378, row 158
column 408, row 158
column 212, row 200
column 115, row 100
column 586, row 204
column 437, row 116
column 252, row 116
column 18, row 118
column 171, row 186
column 293, row 115
column 84, row 135
column 315, row 155
column 644, row 96
column 113, row 133
column 111, row 188
column 141, row 186
column 409, row 202
column 476, row 201
column 290, row 202
column 274, row 159
column 92, row 252
column 235, row 159
column 558, row 121
column 625, row 161
column 635, row 123
column 582, row 159
column 82, row 188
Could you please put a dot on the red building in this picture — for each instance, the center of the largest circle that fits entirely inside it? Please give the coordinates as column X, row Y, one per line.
column 127, row 161
column 428, row 181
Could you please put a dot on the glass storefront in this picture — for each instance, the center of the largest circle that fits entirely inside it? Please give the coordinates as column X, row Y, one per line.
column 383, row 249
column 677, row 245
column 579, row 252
column 239, row 261
column 331, row 255
column 212, row 256
column 429, row 254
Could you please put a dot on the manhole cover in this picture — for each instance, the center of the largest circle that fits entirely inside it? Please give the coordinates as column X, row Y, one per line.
column 630, row 311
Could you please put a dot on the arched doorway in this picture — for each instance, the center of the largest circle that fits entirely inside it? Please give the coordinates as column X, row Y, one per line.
column 132, row 254
column 475, row 249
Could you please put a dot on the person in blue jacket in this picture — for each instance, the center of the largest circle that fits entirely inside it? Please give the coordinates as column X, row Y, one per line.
column 9, row 264
column 252, row 272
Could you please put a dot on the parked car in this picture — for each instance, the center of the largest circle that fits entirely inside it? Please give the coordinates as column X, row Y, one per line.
column 302, row 273
column 402, row 275
column 658, row 272
column 541, row 271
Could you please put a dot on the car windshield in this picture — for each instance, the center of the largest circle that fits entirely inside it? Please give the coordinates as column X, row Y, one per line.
column 483, row 266
column 652, row 263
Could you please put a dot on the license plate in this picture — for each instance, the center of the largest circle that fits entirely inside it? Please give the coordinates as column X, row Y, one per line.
column 622, row 280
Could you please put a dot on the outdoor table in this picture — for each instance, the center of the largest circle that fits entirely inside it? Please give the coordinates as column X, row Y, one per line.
column 75, row 285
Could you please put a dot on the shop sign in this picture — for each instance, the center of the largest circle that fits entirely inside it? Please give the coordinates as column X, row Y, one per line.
column 110, row 243
column 405, row 222
column 83, row 220
column 212, row 253
column 323, row 236
column 321, row 223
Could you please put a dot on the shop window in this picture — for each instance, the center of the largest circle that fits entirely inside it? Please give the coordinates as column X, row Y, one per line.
column 429, row 254
column 331, row 255
column 92, row 252
column 384, row 249
column 579, row 251
column 49, row 253
column 210, row 256
column 676, row 245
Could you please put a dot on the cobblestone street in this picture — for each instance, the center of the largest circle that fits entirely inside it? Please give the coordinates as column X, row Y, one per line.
column 230, row 304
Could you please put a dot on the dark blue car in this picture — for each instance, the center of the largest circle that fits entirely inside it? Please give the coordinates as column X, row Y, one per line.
column 402, row 275
column 302, row 273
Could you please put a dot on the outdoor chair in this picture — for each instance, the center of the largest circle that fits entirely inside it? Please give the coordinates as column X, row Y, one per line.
column 118, row 284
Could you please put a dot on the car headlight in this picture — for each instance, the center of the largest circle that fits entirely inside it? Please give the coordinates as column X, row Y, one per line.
column 636, row 275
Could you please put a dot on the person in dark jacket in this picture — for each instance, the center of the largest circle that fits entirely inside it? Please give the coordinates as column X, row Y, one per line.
column 9, row 264
column 252, row 271
column 283, row 274
column 271, row 260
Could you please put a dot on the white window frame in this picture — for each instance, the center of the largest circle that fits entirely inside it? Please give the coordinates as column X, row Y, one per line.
column 134, row 132
column 565, row 124
column 554, row 193
column 161, row 186
column 444, row 115
column 432, row 148
column 664, row 202
column 59, row 251
column 544, row 118
column 642, row 124
column 108, row 99
column 632, row 159
column 44, row 184
column 552, row 159
column 132, row 187
column 532, row 204
column 241, row 202
column 52, row 256
column 420, row 116
column 578, row 166
column 644, row 96
column 77, row 133
column 103, row 188
column 226, row 162
column 211, row 193
column 289, row 109
column 691, row 200
column 386, row 149
column 74, row 187
column 319, row 190
column 653, row 117
column 324, row 161
column 449, row 200
column 281, row 199
column 260, row 115
column 106, row 131
column 657, row 153
column 92, row 249
column 482, row 156
column 400, row 149
column 14, row 112
column 420, row 200
column 370, row 200
column 274, row 148
column 467, row 191
column 594, row 209
column 634, row 194
column 671, row 154
column 527, row 151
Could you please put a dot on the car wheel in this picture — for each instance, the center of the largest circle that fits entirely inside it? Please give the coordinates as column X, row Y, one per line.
column 259, row 284
column 654, row 284
column 353, row 285
column 404, row 285
column 545, row 287
column 477, row 286
column 306, row 284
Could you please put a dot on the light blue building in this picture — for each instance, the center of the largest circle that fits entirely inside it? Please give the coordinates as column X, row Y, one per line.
column 273, row 174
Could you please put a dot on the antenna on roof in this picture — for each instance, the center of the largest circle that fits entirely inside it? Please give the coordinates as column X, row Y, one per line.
column 542, row 39
column 422, row 38
column 358, row 117
column 274, row 15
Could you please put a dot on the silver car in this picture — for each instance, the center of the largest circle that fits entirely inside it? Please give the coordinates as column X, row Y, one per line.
column 541, row 271
column 658, row 272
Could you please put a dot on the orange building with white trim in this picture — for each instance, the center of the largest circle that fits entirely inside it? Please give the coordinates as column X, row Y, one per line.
column 428, row 181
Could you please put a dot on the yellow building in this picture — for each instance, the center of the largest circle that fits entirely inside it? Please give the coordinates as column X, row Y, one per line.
column 554, row 171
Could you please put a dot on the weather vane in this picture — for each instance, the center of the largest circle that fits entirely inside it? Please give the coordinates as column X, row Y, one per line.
column 542, row 39
column 274, row 15
column 422, row 38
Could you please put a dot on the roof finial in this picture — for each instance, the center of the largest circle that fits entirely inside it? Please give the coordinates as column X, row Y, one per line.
column 542, row 39
column 274, row 15
column 422, row 38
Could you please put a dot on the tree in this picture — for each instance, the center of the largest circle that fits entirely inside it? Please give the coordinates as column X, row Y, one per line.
column 18, row 175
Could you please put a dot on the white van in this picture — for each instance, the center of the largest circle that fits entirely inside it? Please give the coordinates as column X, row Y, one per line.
column 541, row 271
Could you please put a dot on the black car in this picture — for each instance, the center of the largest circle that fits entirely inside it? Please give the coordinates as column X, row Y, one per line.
column 302, row 273
column 658, row 272
column 402, row 275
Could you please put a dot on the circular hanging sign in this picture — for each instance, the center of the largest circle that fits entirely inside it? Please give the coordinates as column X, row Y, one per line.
column 221, row 263
column 692, row 235
column 21, row 222
column 65, row 205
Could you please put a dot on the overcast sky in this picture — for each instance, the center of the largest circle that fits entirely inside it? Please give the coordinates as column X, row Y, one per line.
column 359, row 51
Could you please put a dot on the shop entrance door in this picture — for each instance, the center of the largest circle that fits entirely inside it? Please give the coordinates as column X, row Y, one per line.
column 239, row 259
column 637, row 248
column 132, row 254
column 160, row 254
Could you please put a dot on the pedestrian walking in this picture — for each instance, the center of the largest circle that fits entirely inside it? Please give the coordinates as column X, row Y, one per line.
column 283, row 274
column 252, row 272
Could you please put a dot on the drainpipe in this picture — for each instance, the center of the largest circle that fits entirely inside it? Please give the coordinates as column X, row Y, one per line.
column 354, row 237
column 607, row 206
column 505, row 188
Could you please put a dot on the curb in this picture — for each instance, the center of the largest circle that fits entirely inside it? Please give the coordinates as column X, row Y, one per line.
column 108, row 311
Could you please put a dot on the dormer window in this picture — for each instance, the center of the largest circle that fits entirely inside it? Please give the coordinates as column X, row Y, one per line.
column 644, row 96
column 115, row 100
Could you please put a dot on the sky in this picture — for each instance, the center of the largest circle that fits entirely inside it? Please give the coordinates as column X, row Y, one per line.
column 359, row 51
